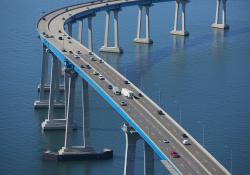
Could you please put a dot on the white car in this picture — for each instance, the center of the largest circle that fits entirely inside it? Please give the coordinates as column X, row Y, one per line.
column 101, row 77
column 185, row 142
column 165, row 141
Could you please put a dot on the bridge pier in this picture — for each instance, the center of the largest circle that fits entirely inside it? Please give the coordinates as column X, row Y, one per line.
column 69, row 25
column 147, row 39
column 106, row 47
column 68, row 151
column 223, row 24
column 90, row 33
column 44, row 86
column 51, row 122
column 129, row 165
column 183, row 31
column 80, row 30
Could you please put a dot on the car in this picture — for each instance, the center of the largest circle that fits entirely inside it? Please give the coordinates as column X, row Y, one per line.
column 174, row 154
column 93, row 59
column 88, row 66
column 82, row 66
column 68, row 37
column 160, row 112
column 60, row 38
column 90, row 53
column 76, row 56
column 70, row 42
column 140, row 95
column 64, row 50
column 122, row 103
column 96, row 73
column 185, row 142
column 71, row 52
column 135, row 97
column 59, row 31
column 126, row 82
column 63, row 18
column 78, row 52
column 101, row 77
column 165, row 141
column 110, row 86
column 184, row 136
column 101, row 61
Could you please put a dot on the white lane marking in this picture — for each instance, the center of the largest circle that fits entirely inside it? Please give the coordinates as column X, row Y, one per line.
column 180, row 144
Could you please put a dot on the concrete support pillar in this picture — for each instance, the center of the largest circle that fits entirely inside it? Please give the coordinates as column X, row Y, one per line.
column 223, row 24
column 70, row 29
column 70, row 109
column 86, row 127
column 66, row 90
column 106, row 47
column 80, row 30
column 51, row 123
column 147, row 39
column 148, row 160
column 182, row 31
column 90, row 34
column 131, row 138
column 44, row 74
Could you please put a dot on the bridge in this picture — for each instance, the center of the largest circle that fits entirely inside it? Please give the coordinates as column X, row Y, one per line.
column 143, row 119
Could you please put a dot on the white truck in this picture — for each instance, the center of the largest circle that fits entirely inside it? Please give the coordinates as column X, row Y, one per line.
column 127, row 93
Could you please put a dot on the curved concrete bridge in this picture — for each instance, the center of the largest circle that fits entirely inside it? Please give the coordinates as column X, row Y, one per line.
column 143, row 118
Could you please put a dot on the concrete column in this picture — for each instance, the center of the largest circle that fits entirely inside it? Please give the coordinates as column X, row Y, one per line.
column 70, row 109
column 224, row 12
column 183, row 31
column 106, row 37
column 139, row 22
column 217, row 11
column 86, row 127
column 57, row 80
column 148, row 160
column 116, row 30
column 90, row 35
column 223, row 24
column 70, row 29
column 106, row 47
column 147, row 39
column 44, row 74
column 147, row 23
column 52, row 88
column 131, row 138
column 66, row 90
column 176, row 15
column 80, row 30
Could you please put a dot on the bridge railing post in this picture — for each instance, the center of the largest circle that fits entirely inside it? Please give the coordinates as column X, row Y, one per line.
column 183, row 31
column 116, row 48
column 223, row 24
column 147, row 39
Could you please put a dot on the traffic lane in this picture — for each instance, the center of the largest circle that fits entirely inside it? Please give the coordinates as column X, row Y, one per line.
column 178, row 146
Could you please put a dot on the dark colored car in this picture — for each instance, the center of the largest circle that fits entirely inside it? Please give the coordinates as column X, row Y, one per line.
column 140, row 95
column 184, row 136
column 82, row 66
column 160, row 112
column 88, row 66
column 122, row 103
column 110, row 86
column 126, row 82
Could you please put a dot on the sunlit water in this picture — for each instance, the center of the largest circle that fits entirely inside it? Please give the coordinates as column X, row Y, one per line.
column 202, row 81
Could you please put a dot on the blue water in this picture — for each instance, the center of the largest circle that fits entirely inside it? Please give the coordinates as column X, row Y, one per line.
column 203, row 83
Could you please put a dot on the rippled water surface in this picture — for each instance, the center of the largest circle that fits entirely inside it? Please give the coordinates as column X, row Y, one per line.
column 203, row 82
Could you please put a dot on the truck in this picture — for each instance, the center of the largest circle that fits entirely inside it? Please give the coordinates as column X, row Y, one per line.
column 116, row 90
column 127, row 93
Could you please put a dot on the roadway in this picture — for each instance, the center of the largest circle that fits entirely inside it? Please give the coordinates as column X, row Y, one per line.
column 143, row 112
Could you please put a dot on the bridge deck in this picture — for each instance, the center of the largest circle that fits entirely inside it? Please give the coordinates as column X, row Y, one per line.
column 140, row 113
